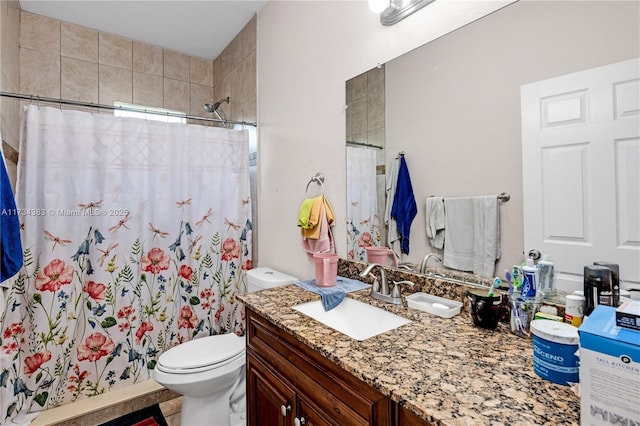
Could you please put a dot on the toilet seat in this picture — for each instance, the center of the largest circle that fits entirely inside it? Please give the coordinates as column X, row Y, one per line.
column 202, row 354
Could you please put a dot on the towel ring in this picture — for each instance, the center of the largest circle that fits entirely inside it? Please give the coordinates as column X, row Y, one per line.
column 317, row 178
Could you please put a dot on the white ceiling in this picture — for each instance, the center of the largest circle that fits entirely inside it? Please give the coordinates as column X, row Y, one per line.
column 198, row 28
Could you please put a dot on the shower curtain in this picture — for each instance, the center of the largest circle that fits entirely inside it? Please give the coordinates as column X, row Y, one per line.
column 135, row 236
column 362, row 202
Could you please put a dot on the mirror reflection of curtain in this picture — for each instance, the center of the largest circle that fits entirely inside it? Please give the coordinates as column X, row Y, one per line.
column 362, row 202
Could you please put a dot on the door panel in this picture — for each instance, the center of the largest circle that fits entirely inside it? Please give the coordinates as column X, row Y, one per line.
column 581, row 178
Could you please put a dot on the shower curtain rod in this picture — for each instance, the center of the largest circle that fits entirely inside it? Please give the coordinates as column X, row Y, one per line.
column 35, row 98
column 368, row 145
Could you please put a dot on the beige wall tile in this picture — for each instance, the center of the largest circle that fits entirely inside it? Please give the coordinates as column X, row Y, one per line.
column 222, row 89
column 201, row 71
column 148, row 90
column 359, row 87
column 115, row 84
column 10, row 48
column 375, row 108
column 176, row 65
column 200, row 95
column 375, row 77
column 176, row 95
column 358, row 116
column 39, row 33
column 39, row 73
column 235, row 109
column 217, row 70
column 79, row 80
column 249, row 82
column 148, row 59
column 10, row 121
column 249, row 37
column 78, row 42
column 115, row 51
column 231, row 55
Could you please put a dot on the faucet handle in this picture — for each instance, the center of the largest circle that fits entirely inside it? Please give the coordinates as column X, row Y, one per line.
column 396, row 287
column 375, row 287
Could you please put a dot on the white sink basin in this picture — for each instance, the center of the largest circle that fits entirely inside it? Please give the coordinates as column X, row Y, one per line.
column 353, row 318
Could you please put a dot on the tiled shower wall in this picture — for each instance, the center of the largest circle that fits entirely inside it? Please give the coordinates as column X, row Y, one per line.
column 51, row 58
column 10, row 82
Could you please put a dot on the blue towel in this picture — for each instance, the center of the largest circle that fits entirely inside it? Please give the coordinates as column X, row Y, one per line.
column 10, row 245
column 404, row 207
column 333, row 296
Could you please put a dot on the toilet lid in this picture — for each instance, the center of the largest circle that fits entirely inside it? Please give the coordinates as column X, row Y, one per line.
column 203, row 352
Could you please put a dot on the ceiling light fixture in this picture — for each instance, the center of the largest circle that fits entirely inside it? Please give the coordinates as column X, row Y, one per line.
column 378, row 6
column 393, row 11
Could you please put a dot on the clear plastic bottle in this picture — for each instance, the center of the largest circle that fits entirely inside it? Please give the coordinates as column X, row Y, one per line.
column 545, row 277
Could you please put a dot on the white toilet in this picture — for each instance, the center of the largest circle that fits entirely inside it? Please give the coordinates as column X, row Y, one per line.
column 209, row 372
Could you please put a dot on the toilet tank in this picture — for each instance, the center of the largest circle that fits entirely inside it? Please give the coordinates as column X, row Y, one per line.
column 263, row 278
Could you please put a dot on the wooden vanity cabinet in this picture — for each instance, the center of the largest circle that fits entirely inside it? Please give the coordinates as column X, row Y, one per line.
column 288, row 384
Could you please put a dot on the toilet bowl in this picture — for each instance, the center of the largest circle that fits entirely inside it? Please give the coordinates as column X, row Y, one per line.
column 209, row 372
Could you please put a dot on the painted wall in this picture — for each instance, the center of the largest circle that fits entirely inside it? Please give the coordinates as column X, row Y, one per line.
column 306, row 52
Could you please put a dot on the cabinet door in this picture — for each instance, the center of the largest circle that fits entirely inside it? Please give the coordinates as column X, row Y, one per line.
column 270, row 401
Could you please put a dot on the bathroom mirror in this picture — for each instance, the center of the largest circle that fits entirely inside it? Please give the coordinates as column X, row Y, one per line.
column 453, row 106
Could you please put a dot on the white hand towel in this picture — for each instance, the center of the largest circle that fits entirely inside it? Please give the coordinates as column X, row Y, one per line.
column 435, row 221
column 486, row 235
column 458, row 234
column 472, row 234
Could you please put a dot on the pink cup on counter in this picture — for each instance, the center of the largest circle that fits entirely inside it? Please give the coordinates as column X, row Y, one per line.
column 326, row 269
column 381, row 255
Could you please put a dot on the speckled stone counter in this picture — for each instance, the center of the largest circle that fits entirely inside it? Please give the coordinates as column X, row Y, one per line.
column 446, row 371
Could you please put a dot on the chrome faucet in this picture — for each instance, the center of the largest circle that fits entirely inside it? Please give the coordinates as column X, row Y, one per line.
column 375, row 288
column 380, row 289
column 423, row 265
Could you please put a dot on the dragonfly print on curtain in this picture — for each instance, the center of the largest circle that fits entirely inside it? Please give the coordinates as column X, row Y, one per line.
column 136, row 235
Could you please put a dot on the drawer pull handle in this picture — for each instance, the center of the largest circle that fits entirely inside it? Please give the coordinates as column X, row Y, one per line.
column 301, row 421
column 284, row 409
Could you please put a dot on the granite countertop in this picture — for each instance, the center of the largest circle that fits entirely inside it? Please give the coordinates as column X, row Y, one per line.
column 446, row 371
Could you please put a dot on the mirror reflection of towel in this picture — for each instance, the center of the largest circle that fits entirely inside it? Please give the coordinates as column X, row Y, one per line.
column 404, row 208
column 393, row 236
column 435, row 221
column 472, row 234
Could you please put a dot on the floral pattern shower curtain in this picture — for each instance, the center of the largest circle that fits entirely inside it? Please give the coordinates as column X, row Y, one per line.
column 135, row 235
column 362, row 202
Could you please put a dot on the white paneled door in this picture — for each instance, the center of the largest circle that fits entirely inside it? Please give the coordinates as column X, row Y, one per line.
column 581, row 170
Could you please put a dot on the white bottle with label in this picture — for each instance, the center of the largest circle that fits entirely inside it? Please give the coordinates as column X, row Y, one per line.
column 530, row 283
column 545, row 277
